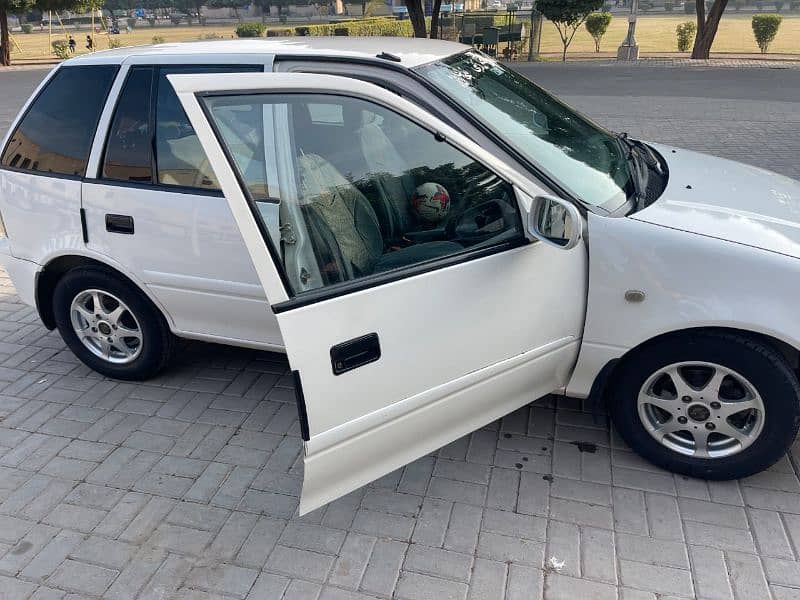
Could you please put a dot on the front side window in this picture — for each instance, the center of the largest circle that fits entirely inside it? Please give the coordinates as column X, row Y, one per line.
column 55, row 135
column 383, row 194
column 583, row 157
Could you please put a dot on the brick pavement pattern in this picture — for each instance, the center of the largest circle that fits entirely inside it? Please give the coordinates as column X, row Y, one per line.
column 186, row 486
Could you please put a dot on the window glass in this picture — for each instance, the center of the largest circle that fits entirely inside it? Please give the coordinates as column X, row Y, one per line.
column 383, row 194
column 581, row 155
column 129, row 149
column 179, row 157
column 55, row 136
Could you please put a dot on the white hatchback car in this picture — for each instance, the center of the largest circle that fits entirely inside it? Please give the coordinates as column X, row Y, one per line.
column 433, row 239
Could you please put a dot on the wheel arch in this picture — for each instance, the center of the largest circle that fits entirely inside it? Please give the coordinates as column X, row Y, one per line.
column 51, row 272
column 605, row 376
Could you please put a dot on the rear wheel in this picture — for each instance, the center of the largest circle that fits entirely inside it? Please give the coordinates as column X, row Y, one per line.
column 707, row 404
column 110, row 325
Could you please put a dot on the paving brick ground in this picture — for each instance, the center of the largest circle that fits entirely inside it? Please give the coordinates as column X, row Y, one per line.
column 185, row 487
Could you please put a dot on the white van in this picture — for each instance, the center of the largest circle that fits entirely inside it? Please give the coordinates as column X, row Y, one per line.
column 433, row 240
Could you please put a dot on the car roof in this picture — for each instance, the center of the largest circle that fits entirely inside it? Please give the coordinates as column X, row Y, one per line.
column 411, row 52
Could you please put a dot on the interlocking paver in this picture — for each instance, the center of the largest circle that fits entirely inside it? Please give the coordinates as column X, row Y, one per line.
column 187, row 486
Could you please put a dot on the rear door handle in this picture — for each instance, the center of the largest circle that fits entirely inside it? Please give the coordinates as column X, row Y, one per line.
column 355, row 353
column 119, row 224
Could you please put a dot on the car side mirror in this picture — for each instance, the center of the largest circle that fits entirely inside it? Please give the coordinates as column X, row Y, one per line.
column 555, row 222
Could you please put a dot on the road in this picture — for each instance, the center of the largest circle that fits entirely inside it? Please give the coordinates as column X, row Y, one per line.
column 186, row 486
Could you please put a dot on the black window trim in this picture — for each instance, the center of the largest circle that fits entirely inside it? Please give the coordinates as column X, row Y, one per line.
column 32, row 102
column 345, row 288
column 154, row 184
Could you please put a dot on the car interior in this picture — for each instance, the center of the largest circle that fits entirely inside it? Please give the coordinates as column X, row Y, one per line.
column 358, row 171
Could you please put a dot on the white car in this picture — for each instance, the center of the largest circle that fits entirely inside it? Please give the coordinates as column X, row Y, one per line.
column 433, row 239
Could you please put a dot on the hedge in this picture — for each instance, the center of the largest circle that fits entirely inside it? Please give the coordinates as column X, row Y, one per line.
column 765, row 28
column 250, row 30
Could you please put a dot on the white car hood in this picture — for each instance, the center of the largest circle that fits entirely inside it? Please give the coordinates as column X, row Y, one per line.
column 727, row 200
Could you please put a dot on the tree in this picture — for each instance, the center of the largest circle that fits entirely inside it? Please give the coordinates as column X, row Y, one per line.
column 234, row 5
column 568, row 16
column 765, row 28
column 597, row 25
column 416, row 14
column 707, row 26
column 9, row 7
column 437, row 8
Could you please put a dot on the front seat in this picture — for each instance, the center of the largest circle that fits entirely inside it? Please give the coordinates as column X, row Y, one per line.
column 351, row 221
column 384, row 162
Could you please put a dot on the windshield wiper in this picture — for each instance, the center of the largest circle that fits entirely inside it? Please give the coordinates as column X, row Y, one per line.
column 628, row 148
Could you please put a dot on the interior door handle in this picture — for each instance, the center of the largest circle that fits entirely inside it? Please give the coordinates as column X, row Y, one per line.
column 355, row 353
column 119, row 224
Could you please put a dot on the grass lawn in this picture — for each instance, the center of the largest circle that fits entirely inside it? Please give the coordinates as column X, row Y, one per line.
column 654, row 34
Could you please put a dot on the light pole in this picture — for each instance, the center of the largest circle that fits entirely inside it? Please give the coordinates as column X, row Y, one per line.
column 628, row 50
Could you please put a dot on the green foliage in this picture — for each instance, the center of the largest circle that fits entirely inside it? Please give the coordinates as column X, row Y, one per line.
column 27, row 28
column 689, row 7
column 387, row 26
column 151, row 21
column 597, row 25
column 668, row 6
column 778, row 5
column 158, row 39
column 250, row 30
column 568, row 16
column 60, row 48
column 131, row 21
column 114, row 42
column 765, row 28
column 686, row 32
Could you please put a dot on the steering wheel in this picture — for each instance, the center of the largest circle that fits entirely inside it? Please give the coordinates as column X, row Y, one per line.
column 480, row 222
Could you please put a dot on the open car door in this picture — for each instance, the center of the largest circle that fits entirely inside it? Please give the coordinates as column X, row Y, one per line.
column 413, row 305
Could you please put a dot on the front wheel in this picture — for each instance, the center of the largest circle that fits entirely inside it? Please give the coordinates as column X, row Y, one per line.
column 710, row 405
column 110, row 325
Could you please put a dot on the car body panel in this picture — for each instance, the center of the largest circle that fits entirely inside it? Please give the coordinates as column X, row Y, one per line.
column 728, row 200
column 689, row 281
column 441, row 349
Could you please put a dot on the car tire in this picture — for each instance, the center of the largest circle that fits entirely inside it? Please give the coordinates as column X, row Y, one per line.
column 734, row 411
column 128, row 338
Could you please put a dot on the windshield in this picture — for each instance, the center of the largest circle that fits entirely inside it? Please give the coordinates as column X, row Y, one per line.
column 584, row 158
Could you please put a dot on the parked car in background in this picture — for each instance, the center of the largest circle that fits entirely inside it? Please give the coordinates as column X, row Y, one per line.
column 432, row 239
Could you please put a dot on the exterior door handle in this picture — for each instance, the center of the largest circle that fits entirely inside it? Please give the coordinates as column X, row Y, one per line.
column 355, row 353
column 119, row 224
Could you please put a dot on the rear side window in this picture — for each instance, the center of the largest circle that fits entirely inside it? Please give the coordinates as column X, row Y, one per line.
column 129, row 154
column 55, row 135
column 180, row 158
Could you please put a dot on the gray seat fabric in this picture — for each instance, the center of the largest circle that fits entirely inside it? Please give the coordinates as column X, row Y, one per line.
column 344, row 210
column 389, row 172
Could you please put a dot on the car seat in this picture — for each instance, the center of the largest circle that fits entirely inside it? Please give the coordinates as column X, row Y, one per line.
column 351, row 221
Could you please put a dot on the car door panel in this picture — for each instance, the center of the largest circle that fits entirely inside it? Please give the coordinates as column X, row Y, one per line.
column 461, row 344
column 185, row 246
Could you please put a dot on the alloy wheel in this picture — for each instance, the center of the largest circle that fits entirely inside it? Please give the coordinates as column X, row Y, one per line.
column 106, row 326
column 701, row 409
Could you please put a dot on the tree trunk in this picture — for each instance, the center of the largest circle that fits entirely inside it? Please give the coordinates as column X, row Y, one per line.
column 5, row 39
column 708, row 30
column 564, row 54
column 437, row 6
column 416, row 13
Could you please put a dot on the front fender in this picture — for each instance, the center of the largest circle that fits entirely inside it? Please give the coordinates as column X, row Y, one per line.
column 689, row 281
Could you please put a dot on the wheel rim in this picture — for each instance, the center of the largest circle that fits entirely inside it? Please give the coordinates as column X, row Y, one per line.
column 106, row 326
column 701, row 409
